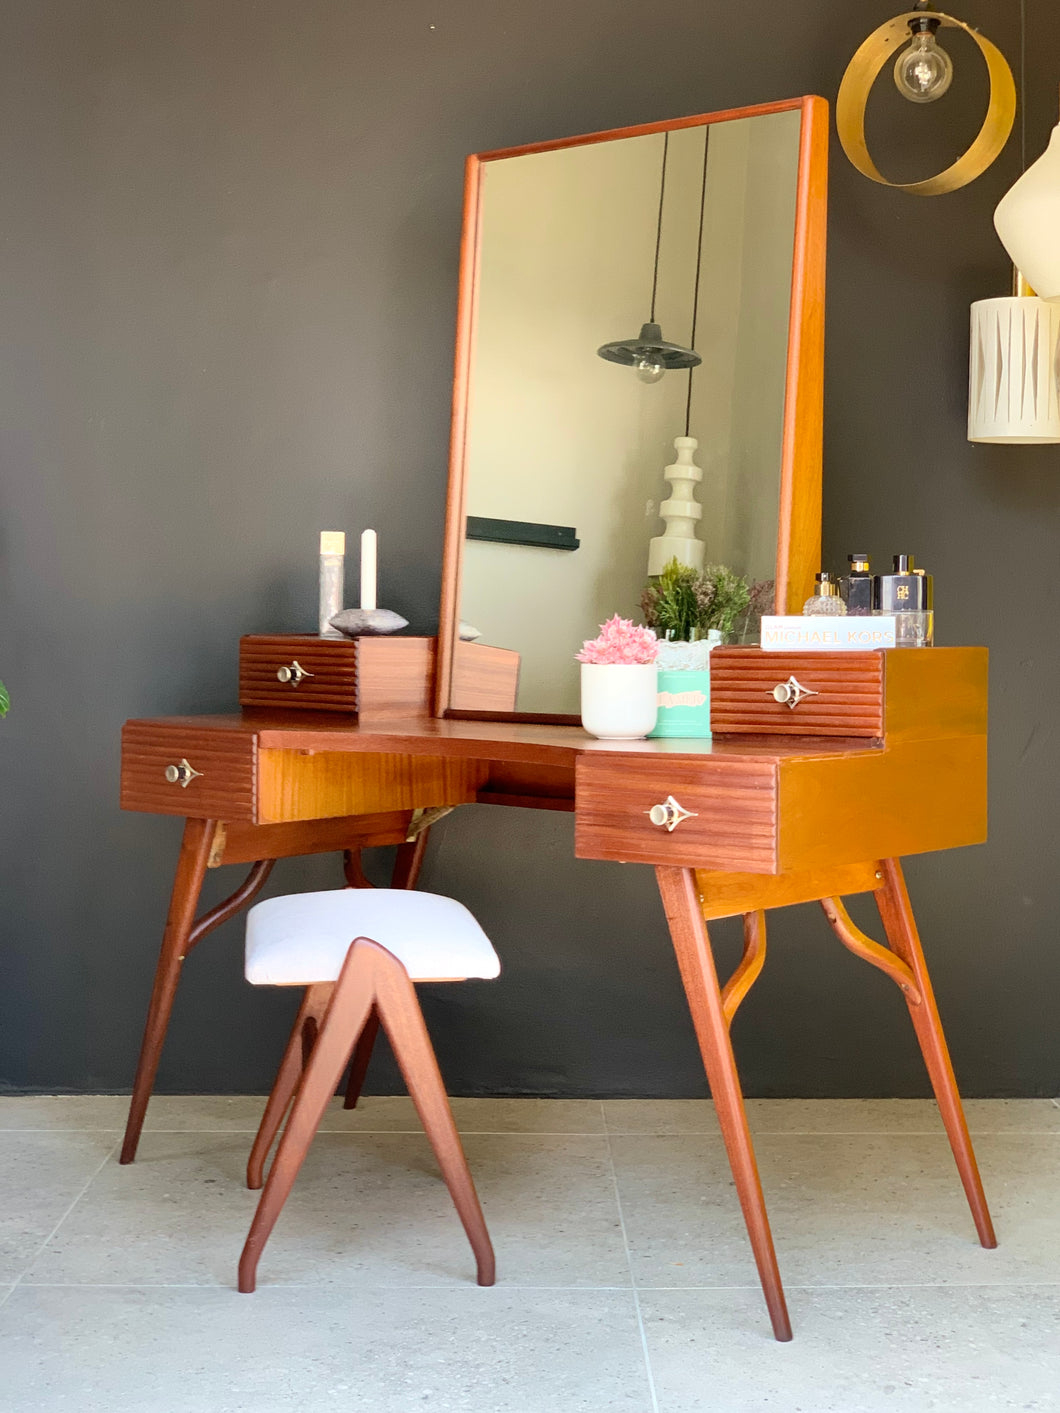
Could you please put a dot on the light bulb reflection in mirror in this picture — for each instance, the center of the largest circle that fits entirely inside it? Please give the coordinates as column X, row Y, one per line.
column 648, row 369
column 923, row 72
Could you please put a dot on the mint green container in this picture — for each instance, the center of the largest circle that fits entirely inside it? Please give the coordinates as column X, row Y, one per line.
column 684, row 704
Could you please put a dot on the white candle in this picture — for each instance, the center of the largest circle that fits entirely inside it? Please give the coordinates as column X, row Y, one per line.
column 368, row 558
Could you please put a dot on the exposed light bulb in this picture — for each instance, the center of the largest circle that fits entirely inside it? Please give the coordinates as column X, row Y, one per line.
column 923, row 72
column 647, row 367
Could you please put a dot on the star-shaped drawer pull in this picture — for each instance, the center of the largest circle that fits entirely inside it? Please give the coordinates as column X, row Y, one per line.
column 792, row 692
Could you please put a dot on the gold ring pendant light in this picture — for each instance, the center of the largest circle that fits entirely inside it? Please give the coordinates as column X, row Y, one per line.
column 882, row 46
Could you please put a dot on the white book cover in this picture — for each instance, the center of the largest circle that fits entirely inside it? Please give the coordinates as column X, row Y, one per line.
column 788, row 633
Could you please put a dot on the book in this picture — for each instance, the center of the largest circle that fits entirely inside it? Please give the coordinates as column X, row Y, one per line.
column 788, row 633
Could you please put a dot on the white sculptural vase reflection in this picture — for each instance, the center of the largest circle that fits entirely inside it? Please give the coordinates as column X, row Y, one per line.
column 681, row 512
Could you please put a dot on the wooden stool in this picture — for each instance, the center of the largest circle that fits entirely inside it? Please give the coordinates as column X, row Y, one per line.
column 357, row 952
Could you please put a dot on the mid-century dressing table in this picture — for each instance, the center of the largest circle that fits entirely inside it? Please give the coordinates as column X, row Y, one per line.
column 805, row 793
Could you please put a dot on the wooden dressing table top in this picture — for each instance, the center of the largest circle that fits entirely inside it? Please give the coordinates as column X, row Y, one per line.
column 527, row 742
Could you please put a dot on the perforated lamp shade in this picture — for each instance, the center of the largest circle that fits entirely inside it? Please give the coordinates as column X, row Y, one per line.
column 1012, row 393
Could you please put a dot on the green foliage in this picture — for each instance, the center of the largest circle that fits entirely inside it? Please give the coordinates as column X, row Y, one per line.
column 5, row 700
column 684, row 603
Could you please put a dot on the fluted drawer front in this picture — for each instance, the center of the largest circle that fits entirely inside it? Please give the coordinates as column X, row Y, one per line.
column 725, row 811
column 371, row 676
column 218, row 766
column 828, row 694
column 320, row 673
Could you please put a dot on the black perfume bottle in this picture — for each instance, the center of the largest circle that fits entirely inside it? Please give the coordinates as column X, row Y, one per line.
column 907, row 590
column 856, row 586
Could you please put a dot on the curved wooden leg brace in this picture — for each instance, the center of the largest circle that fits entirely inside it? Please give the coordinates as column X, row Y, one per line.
column 905, row 965
column 370, row 976
column 711, row 1017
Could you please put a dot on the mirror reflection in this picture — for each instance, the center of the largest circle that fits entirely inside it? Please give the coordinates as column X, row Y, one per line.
column 631, row 317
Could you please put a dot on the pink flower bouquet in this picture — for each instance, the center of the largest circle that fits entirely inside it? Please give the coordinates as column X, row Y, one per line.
column 621, row 643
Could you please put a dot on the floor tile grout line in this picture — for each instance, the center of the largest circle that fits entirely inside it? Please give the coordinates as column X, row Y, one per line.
column 472, row 1289
column 632, row 1280
column 84, row 1188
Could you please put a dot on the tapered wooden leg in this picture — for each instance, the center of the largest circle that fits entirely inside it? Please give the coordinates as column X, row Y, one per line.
column 403, row 1022
column 900, row 925
column 406, row 871
column 346, row 1014
column 699, row 975
column 299, row 1048
column 409, row 861
column 362, row 1054
column 187, row 885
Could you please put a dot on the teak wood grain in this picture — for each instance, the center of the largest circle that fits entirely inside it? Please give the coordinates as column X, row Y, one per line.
column 733, row 805
column 376, row 677
column 294, row 785
column 799, row 533
column 847, row 700
column 892, row 694
column 484, row 678
column 224, row 788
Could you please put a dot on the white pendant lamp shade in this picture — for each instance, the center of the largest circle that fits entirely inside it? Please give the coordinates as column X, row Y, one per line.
column 1028, row 221
column 1013, row 392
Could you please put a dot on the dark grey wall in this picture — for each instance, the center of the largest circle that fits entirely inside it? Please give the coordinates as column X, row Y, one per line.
column 228, row 262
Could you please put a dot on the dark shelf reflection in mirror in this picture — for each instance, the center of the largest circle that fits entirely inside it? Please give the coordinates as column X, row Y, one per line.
column 522, row 532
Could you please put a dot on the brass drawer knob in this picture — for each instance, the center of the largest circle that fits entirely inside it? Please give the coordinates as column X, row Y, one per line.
column 293, row 673
column 669, row 814
column 182, row 774
column 792, row 692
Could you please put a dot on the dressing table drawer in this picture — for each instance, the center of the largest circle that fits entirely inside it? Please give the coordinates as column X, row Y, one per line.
column 797, row 693
column 371, row 676
column 702, row 812
column 187, row 770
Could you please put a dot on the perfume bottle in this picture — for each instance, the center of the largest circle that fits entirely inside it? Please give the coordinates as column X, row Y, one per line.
column 908, row 594
column 907, row 590
column 825, row 602
column 856, row 586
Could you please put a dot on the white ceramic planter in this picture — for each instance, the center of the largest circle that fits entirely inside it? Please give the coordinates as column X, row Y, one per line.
column 619, row 701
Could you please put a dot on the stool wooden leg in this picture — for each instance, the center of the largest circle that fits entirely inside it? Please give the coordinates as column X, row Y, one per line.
column 346, row 1014
column 299, row 1047
column 698, row 973
column 187, row 885
column 403, row 1022
column 362, row 1054
column 406, row 871
column 900, row 925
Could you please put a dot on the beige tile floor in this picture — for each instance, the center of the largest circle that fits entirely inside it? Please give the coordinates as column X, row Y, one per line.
column 624, row 1277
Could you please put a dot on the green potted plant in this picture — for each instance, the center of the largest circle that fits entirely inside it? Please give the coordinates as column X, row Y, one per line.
column 5, row 700
column 691, row 611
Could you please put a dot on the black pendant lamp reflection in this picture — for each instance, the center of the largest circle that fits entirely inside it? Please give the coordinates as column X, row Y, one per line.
column 649, row 354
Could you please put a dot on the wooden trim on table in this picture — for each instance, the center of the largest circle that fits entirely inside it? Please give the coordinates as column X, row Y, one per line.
column 456, row 498
column 799, row 537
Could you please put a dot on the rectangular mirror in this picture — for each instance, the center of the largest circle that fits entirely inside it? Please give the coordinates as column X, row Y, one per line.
column 630, row 301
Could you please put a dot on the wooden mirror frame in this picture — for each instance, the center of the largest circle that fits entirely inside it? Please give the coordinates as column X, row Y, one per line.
column 799, row 532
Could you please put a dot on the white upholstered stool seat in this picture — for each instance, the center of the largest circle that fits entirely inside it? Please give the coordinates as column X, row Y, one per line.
column 303, row 938
column 357, row 952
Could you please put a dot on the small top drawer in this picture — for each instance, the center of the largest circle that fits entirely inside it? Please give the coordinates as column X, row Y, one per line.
column 363, row 675
column 797, row 693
